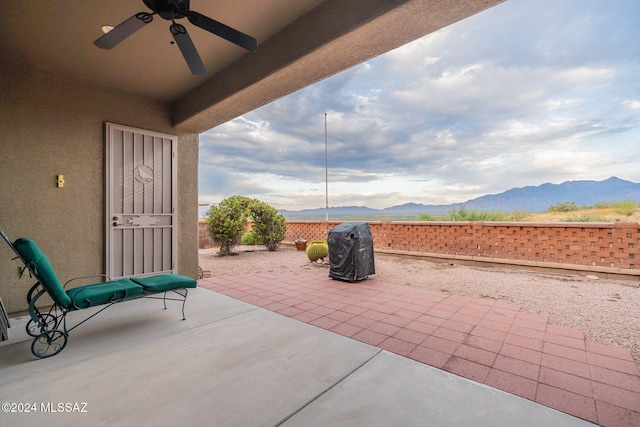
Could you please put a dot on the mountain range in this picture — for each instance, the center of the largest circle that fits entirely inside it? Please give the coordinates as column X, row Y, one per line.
column 529, row 199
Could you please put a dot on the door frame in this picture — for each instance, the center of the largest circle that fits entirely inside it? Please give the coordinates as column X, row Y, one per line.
column 109, row 128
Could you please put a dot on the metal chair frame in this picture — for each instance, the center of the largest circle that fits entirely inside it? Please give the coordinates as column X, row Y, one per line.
column 49, row 327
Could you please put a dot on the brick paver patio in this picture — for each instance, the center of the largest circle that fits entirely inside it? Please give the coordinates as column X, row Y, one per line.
column 488, row 341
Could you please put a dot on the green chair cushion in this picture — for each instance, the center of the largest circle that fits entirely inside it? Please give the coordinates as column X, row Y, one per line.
column 41, row 267
column 165, row 282
column 103, row 293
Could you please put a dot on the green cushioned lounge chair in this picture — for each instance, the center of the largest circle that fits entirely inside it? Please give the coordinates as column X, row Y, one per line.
column 49, row 328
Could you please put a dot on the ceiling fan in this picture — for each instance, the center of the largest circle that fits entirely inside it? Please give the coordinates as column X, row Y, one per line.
column 172, row 10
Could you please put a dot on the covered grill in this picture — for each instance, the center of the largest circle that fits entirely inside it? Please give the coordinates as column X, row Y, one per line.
column 351, row 252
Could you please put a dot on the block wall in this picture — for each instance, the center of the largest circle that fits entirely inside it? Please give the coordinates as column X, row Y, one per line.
column 204, row 238
column 604, row 247
column 586, row 246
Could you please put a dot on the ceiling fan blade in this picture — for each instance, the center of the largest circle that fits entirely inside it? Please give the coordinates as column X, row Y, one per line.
column 187, row 48
column 123, row 30
column 222, row 30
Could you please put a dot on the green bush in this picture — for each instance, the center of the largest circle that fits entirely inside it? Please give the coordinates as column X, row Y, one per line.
column 463, row 214
column 426, row 217
column 227, row 222
column 250, row 238
column 585, row 217
column 563, row 207
column 268, row 224
column 624, row 207
column 602, row 205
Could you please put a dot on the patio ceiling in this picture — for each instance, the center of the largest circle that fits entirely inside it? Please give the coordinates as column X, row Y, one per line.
column 299, row 43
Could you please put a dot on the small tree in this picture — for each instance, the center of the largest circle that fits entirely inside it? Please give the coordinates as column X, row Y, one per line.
column 461, row 214
column 269, row 225
column 227, row 222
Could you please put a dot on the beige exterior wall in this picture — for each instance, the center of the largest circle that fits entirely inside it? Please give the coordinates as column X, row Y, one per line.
column 53, row 124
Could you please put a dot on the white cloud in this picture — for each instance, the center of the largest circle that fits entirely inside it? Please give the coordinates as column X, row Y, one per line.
column 524, row 93
column 631, row 105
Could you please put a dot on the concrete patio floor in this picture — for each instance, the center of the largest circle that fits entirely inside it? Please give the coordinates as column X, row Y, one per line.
column 488, row 341
column 232, row 363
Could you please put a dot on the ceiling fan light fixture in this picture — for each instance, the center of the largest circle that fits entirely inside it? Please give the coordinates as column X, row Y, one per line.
column 171, row 10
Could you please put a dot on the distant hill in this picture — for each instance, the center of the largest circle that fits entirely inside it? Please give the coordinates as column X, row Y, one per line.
column 527, row 199
column 538, row 199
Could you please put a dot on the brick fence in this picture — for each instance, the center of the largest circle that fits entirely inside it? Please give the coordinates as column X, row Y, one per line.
column 604, row 248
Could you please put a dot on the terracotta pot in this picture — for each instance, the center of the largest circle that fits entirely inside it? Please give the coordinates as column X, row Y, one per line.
column 301, row 245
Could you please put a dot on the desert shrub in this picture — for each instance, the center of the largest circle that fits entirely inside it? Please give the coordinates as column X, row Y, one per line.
column 426, row 217
column 227, row 221
column 563, row 207
column 463, row 214
column 518, row 215
column 624, row 207
column 460, row 214
column 491, row 216
column 250, row 238
column 268, row 224
column 584, row 217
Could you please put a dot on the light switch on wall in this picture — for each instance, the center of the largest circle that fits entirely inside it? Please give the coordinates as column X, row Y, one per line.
column 60, row 181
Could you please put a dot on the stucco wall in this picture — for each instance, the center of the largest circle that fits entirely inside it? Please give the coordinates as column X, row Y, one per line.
column 54, row 124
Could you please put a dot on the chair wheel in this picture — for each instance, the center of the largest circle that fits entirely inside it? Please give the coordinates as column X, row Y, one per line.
column 48, row 321
column 48, row 344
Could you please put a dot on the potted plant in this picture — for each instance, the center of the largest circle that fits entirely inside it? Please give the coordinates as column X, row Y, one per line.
column 301, row 244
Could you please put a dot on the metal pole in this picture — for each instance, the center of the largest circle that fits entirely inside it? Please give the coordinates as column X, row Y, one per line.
column 326, row 170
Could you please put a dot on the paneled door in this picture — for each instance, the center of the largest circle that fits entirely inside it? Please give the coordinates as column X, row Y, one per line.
column 141, row 198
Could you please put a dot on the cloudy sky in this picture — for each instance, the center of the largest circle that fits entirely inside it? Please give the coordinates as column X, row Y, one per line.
column 527, row 92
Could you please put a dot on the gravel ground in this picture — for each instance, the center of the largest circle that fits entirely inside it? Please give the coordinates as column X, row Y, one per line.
column 607, row 311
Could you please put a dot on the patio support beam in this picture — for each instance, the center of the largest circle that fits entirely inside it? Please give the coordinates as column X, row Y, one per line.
column 335, row 36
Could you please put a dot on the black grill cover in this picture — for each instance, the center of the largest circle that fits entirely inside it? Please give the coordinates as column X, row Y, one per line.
column 351, row 252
